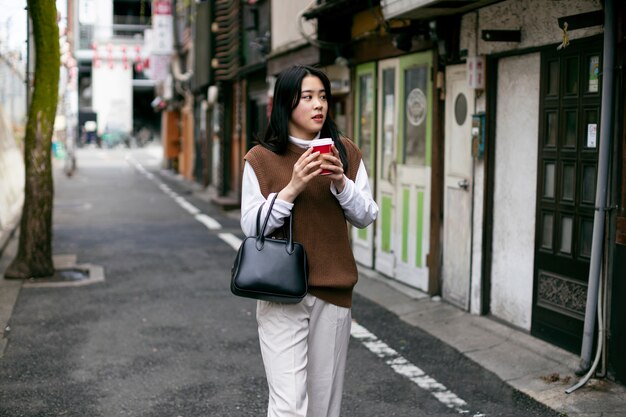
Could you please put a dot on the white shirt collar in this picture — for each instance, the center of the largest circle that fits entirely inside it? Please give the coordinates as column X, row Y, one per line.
column 303, row 143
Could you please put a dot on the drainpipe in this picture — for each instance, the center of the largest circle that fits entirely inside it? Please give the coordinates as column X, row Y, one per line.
column 601, row 184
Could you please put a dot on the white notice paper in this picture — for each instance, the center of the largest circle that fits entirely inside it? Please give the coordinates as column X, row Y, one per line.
column 592, row 130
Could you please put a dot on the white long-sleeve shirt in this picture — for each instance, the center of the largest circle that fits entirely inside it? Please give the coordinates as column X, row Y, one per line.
column 355, row 200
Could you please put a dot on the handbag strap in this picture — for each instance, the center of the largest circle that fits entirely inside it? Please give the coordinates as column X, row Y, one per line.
column 260, row 232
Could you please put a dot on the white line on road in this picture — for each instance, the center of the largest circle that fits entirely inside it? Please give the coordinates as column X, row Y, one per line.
column 231, row 240
column 190, row 208
column 405, row 368
column 209, row 222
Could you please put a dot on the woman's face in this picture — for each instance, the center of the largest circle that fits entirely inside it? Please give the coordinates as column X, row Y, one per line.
column 309, row 115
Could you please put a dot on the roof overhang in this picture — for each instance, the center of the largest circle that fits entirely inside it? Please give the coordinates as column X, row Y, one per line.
column 428, row 9
column 338, row 8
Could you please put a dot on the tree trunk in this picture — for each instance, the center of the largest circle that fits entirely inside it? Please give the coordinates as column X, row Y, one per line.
column 34, row 257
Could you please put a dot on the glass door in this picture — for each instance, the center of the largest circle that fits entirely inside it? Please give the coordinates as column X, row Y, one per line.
column 412, row 187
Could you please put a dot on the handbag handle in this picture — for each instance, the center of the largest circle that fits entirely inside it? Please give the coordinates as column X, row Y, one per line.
column 260, row 239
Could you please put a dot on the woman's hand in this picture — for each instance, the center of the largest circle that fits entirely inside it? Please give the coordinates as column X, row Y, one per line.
column 305, row 169
column 332, row 162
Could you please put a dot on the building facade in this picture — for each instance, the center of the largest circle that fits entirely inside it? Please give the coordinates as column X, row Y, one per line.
column 112, row 50
column 493, row 133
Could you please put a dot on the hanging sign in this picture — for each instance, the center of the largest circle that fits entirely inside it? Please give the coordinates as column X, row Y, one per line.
column 162, row 27
column 476, row 72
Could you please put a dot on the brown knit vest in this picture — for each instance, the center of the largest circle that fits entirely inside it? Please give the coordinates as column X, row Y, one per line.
column 319, row 222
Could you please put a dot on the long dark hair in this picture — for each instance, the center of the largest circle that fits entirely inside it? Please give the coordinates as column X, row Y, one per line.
column 286, row 98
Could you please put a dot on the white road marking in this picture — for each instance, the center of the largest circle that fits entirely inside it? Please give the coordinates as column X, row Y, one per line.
column 193, row 210
column 165, row 188
column 231, row 240
column 209, row 222
column 405, row 368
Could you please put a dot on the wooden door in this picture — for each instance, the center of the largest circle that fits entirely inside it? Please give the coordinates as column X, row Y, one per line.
column 568, row 152
column 458, row 188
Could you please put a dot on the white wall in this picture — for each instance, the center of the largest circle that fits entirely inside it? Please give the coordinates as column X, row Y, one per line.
column 113, row 96
column 516, row 147
column 285, row 32
column 103, row 29
column 11, row 177
column 537, row 20
column 515, row 183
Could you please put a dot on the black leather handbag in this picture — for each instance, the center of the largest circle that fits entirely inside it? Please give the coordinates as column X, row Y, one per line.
column 270, row 269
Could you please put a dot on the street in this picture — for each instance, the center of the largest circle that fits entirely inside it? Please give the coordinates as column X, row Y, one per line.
column 162, row 336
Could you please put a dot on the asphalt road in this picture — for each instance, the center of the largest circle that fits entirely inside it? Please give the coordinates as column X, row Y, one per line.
column 162, row 336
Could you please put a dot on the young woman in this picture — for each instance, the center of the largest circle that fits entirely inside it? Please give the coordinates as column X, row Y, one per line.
column 304, row 345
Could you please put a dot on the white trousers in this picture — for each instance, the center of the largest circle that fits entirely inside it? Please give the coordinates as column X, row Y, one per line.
column 304, row 348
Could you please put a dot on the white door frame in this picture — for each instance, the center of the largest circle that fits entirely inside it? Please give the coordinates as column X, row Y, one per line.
column 363, row 239
column 387, row 138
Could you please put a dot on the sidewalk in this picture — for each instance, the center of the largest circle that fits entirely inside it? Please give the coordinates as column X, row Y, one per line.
column 528, row 364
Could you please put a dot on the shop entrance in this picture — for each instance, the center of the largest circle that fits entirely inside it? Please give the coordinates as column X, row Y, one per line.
column 568, row 154
column 404, row 150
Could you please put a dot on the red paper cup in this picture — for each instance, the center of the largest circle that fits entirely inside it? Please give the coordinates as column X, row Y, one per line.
column 322, row 146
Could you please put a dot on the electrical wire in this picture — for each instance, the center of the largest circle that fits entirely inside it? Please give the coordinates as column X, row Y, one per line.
column 313, row 41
